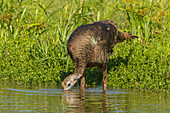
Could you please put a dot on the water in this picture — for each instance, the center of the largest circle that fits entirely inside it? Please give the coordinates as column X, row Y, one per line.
column 17, row 99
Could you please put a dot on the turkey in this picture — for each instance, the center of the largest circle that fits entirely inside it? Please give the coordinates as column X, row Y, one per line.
column 91, row 45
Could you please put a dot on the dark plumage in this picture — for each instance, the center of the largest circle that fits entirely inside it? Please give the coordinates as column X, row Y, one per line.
column 91, row 45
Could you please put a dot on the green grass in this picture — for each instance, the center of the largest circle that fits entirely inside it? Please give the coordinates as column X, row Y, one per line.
column 34, row 34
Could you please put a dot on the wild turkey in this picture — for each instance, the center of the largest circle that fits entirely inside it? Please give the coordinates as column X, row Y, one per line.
column 91, row 45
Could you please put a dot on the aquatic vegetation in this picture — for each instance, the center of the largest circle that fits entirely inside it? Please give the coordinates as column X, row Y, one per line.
column 33, row 36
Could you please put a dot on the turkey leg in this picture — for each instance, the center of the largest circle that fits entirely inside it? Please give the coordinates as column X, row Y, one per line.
column 82, row 83
column 104, row 70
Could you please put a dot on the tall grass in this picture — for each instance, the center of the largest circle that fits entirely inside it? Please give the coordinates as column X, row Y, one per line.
column 34, row 35
column 146, row 18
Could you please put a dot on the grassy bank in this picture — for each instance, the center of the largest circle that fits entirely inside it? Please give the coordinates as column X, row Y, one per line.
column 34, row 34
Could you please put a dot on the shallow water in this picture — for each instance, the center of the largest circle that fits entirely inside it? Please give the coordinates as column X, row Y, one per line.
column 52, row 100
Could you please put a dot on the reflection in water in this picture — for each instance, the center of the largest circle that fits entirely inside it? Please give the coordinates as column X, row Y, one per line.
column 104, row 108
column 78, row 103
column 75, row 100
column 95, row 100
column 91, row 100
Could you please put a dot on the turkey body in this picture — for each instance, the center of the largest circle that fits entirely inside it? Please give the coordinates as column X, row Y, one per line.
column 91, row 45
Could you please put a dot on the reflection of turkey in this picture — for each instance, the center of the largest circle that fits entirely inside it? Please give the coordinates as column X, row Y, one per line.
column 77, row 101
column 91, row 45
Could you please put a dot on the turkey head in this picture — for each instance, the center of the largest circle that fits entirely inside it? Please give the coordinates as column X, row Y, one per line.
column 70, row 81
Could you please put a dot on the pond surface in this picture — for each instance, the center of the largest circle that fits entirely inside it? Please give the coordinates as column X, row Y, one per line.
column 16, row 99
